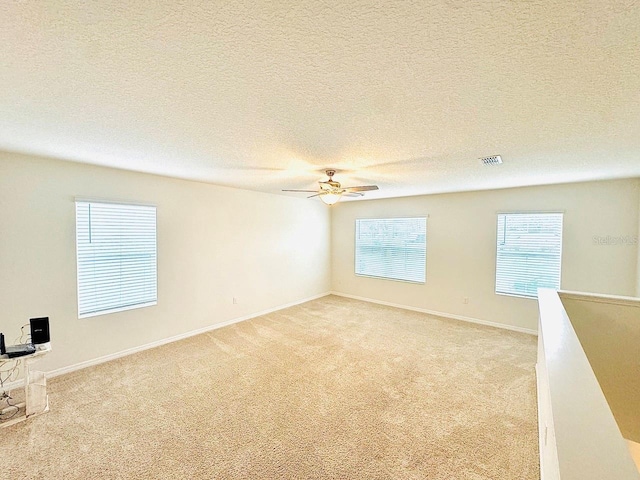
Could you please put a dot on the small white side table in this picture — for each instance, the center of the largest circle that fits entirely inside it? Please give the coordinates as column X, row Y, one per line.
column 35, row 386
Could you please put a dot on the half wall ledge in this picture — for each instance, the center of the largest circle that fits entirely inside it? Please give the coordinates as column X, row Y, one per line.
column 579, row 436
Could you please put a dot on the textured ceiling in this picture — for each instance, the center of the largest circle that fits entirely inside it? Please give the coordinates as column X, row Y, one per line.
column 265, row 95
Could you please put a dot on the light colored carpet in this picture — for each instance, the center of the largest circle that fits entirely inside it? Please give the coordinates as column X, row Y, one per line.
column 333, row 388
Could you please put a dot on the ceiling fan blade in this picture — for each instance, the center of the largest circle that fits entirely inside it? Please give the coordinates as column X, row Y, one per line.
column 307, row 191
column 364, row 188
column 317, row 194
column 353, row 194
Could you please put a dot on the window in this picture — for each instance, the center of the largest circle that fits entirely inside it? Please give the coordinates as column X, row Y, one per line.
column 116, row 250
column 393, row 248
column 529, row 253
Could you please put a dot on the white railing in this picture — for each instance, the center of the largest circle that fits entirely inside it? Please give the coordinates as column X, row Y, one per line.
column 579, row 437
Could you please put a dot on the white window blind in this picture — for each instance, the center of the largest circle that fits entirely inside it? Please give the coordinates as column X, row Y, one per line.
column 529, row 253
column 393, row 248
column 117, row 257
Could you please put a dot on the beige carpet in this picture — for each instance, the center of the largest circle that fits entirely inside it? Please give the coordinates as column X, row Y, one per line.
column 333, row 388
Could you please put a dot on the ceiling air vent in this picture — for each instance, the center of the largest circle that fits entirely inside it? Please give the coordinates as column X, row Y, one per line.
column 492, row 160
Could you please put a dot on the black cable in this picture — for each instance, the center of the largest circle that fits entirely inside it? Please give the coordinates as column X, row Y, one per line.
column 15, row 412
column 28, row 339
column 10, row 371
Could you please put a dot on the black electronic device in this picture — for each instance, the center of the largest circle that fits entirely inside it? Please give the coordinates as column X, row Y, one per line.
column 20, row 350
column 39, row 330
column 2, row 349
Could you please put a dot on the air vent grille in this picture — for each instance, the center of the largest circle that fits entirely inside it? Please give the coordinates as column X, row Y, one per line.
column 492, row 160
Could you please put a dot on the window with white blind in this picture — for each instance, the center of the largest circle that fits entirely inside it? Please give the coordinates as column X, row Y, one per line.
column 392, row 248
column 529, row 253
column 117, row 257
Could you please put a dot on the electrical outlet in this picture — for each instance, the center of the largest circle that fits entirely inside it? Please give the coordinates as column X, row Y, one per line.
column 235, row 300
column 465, row 300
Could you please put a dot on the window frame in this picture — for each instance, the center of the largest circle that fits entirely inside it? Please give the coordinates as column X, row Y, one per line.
column 125, row 203
column 355, row 251
column 528, row 212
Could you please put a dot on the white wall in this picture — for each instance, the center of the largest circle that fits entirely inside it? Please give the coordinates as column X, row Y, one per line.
column 214, row 243
column 609, row 331
column 461, row 247
column 579, row 436
column 638, row 265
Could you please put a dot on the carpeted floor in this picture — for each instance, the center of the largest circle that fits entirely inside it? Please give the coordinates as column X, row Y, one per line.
column 334, row 388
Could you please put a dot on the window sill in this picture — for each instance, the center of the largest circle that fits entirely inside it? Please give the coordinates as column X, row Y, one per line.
column 116, row 310
column 516, row 295
column 391, row 279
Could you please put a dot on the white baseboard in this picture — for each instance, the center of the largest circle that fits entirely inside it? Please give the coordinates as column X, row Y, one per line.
column 441, row 314
column 175, row 338
column 157, row 343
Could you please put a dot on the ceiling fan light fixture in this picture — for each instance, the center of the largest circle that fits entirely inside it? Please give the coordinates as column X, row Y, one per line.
column 330, row 191
column 331, row 198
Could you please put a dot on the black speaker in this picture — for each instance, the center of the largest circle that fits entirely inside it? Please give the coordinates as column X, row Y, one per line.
column 39, row 330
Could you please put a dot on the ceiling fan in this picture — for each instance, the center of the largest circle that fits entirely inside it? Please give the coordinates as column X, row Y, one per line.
column 331, row 191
